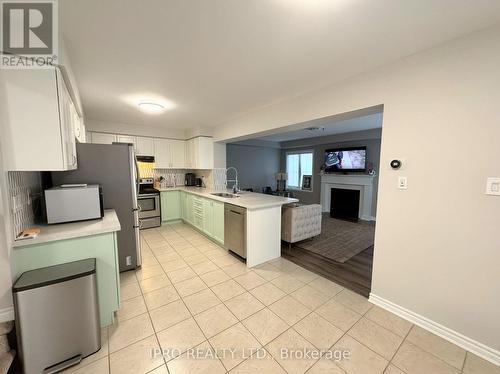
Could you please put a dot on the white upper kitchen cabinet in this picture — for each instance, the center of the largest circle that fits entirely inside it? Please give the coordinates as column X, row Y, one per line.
column 162, row 154
column 102, row 138
column 189, row 146
column 178, row 152
column 200, row 153
column 39, row 129
column 69, row 120
column 169, row 154
column 127, row 139
column 80, row 133
column 145, row 146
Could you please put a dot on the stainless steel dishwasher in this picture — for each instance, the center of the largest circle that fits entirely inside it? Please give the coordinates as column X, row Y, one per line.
column 235, row 232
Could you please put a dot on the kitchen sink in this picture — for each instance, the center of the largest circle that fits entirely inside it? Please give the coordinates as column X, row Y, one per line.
column 226, row 195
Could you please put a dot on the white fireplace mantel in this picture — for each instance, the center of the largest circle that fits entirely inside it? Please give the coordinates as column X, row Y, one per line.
column 362, row 183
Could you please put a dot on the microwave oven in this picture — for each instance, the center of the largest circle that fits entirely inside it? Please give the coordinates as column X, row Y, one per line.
column 74, row 203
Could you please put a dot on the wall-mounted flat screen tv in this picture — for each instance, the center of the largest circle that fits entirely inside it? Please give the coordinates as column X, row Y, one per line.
column 345, row 160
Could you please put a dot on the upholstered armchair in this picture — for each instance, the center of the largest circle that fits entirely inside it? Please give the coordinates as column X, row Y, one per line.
column 300, row 222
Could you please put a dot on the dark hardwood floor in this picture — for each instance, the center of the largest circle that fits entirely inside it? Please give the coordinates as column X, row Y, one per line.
column 354, row 274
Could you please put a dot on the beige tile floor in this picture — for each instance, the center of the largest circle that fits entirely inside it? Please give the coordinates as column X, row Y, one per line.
column 191, row 295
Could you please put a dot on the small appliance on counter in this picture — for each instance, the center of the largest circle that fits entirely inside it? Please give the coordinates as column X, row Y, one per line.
column 190, row 179
column 148, row 201
column 158, row 182
column 74, row 202
column 199, row 182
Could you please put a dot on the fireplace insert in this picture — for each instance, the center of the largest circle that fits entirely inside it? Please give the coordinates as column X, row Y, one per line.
column 344, row 204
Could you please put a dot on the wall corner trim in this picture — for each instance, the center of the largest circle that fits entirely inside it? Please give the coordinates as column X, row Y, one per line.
column 7, row 314
column 444, row 332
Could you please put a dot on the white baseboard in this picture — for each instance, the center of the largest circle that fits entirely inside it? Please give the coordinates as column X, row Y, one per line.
column 7, row 314
column 452, row 336
column 368, row 218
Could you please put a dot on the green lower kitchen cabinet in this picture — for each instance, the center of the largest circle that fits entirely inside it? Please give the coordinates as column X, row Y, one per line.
column 206, row 215
column 213, row 220
column 102, row 247
column 218, row 217
column 189, row 208
column 170, row 205
column 208, row 222
column 184, row 205
column 198, row 216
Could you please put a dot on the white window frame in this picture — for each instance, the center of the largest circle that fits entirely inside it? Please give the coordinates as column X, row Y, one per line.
column 303, row 151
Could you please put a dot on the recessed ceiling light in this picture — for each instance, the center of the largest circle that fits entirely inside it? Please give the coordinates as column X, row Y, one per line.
column 150, row 107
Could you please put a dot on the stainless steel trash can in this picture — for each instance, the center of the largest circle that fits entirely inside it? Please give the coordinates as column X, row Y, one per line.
column 57, row 316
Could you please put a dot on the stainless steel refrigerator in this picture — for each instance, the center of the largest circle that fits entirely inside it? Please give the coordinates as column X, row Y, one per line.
column 114, row 167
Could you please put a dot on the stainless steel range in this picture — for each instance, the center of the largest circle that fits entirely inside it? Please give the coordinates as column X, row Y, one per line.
column 148, row 201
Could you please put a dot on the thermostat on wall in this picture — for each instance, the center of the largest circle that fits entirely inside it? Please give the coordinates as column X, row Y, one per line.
column 396, row 164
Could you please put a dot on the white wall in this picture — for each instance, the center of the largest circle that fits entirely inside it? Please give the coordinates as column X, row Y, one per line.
column 137, row 130
column 437, row 248
column 69, row 76
column 219, row 155
column 6, row 312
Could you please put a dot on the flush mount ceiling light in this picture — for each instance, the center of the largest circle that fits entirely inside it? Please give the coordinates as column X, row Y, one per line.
column 150, row 107
column 149, row 102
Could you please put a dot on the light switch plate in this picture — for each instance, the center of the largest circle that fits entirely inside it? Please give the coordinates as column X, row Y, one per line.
column 493, row 186
column 403, row 183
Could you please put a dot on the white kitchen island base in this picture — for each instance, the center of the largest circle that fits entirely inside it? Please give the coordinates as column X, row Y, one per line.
column 193, row 206
column 263, row 235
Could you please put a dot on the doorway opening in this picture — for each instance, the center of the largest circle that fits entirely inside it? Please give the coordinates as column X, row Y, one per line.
column 331, row 166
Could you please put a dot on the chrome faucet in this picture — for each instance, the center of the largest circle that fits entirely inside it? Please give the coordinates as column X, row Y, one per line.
column 235, row 180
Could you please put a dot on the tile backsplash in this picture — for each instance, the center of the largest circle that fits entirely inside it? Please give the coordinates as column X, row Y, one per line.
column 23, row 185
column 171, row 177
column 219, row 179
column 213, row 179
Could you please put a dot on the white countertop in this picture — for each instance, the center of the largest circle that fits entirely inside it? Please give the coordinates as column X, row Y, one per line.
column 61, row 231
column 248, row 200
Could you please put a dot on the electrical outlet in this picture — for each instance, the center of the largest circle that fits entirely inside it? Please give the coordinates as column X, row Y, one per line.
column 403, row 183
column 128, row 260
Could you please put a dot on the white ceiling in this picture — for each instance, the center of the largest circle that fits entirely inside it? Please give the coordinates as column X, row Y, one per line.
column 217, row 59
column 372, row 121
